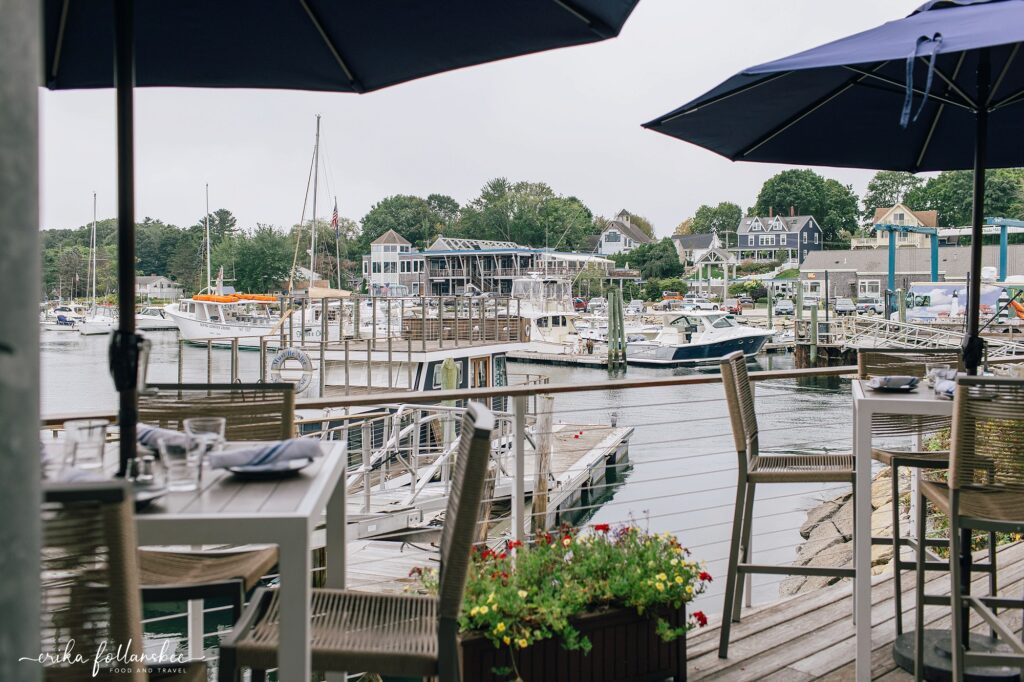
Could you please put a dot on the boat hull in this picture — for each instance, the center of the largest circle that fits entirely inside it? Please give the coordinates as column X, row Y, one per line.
column 655, row 355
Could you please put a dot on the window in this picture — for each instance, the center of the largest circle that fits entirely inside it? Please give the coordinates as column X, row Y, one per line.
column 766, row 240
column 750, row 240
column 612, row 236
column 390, row 248
column 805, row 237
column 437, row 374
column 869, row 287
column 816, row 237
column 898, row 218
column 404, row 249
column 376, row 267
column 366, row 266
column 782, row 240
column 390, row 267
column 722, row 323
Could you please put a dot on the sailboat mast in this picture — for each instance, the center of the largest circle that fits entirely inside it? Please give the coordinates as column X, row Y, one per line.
column 92, row 247
column 208, row 258
column 316, row 174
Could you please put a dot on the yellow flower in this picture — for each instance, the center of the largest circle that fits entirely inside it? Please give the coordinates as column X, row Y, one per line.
column 522, row 594
column 566, row 542
column 660, row 587
column 490, row 599
column 500, row 627
column 661, row 576
column 522, row 643
column 679, row 580
column 484, row 610
column 677, row 550
column 475, row 610
column 689, row 589
column 674, row 562
column 506, row 639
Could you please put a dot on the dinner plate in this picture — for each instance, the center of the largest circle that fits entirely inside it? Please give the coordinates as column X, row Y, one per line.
column 145, row 495
column 282, row 469
column 886, row 385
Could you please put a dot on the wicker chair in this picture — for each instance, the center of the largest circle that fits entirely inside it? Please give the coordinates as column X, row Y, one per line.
column 252, row 411
column 393, row 634
column 755, row 468
column 905, row 362
column 90, row 583
column 985, row 492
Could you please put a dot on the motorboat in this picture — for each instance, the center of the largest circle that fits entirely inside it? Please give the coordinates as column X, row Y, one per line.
column 100, row 320
column 153, row 318
column 696, row 337
column 64, row 317
column 545, row 303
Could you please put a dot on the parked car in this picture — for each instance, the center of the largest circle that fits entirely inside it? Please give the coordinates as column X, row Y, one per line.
column 579, row 304
column 746, row 301
column 733, row 305
column 598, row 304
column 694, row 302
column 784, row 307
column 844, row 306
column 811, row 302
column 870, row 306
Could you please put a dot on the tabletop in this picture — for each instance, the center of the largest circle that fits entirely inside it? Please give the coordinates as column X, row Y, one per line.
column 921, row 401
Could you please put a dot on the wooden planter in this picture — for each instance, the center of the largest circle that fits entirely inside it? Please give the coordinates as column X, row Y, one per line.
column 626, row 648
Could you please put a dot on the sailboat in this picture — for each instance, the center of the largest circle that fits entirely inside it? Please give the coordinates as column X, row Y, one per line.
column 101, row 319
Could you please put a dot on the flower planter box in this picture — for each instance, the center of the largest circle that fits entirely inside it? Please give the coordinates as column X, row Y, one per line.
column 626, row 648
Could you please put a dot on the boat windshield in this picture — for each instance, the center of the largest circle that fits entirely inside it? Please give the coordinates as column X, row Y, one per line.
column 720, row 321
column 531, row 289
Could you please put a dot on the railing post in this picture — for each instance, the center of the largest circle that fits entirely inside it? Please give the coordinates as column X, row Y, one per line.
column 234, row 359
column 367, row 434
column 323, row 345
column 263, row 360
column 519, row 469
column 209, row 361
column 414, row 457
column 181, row 360
column 814, row 336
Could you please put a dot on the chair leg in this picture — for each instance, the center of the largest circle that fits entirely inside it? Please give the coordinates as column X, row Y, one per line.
column 955, row 574
column 922, row 516
column 992, row 578
column 894, row 472
column 745, row 552
column 732, row 576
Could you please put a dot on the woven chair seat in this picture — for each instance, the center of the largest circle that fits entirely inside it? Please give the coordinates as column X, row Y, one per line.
column 392, row 634
column 809, row 468
column 178, row 569
column 937, row 459
column 1006, row 506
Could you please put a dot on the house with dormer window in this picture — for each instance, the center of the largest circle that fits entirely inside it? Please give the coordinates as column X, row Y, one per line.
column 620, row 236
column 774, row 238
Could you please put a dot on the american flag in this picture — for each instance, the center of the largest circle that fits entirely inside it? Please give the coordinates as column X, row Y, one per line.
column 334, row 221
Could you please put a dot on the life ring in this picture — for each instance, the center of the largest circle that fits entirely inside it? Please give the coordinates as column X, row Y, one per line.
column 283, row 356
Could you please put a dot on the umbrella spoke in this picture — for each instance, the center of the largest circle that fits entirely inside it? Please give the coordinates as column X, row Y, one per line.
column 917, row 91
column 353, row 81
column 1002, row 73
column 951, row 82
column 938, row 115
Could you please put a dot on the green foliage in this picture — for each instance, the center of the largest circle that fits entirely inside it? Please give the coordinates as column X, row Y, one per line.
column 888, row 188
column 723, row 218
column 528, row 213
column 654, row 260
column 415, row 218
column 642, row 223
column 788, row 274
column 950, row 193
column 517, row 599
column 832, row 204
column 653, row 287
column 259, row 261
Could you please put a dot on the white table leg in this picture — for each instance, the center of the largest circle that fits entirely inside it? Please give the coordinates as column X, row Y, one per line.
column 296, row 563
column 862, row 541
column 335, row 539
column 195, row 629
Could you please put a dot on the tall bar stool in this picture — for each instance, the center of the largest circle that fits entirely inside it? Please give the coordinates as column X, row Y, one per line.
column 905, row 362
column 984, row 491
column 756, row 468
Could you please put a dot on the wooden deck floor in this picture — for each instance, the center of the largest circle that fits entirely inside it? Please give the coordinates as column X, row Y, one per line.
column 811, row 636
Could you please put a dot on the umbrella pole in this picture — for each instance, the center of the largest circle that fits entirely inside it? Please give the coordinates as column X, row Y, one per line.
column 124, row 343
column 973, row 344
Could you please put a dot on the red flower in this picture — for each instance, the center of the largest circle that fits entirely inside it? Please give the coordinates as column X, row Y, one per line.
column 486, row 554
column 515, row 543
column 502, row 555
column 547, row 538
column 701, row 619
column 704, row 575
column 602, row 528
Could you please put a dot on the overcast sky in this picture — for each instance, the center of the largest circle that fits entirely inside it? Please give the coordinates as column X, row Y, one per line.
column 569, row 117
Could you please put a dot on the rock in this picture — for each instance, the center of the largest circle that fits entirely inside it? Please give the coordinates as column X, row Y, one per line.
column 817, row 515
column 844, row 520
column 881, row 489
column 792, row 585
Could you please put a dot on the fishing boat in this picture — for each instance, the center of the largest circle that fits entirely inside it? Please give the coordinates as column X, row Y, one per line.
column 696, row 337
column 223, row 318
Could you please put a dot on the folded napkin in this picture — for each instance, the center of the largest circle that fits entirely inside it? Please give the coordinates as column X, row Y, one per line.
column 944, row 374
column 945, row 388
column 147, row 436
column 74, row 475
column 891, row 382
column 262, row 455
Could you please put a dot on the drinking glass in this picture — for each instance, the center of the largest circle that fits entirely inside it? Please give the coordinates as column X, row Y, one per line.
column 204, row 435
column 933, row 370
column 84, row 441
column 181, row 466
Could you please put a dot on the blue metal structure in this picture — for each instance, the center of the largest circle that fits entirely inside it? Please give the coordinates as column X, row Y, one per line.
column 1003, row 224
column 900, row 229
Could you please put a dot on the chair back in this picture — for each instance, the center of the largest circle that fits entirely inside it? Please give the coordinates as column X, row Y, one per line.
column 252, row 411
column 463, row 511
column 987, row 448
column 740, row 398
column 905, row 361
column 90, row 577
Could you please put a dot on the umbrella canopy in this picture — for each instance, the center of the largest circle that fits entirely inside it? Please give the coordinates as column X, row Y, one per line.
column 293, row 44
column 941, row 89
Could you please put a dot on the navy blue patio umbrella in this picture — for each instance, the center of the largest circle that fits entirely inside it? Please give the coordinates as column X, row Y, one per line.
column 941, row 89
column 329, row 45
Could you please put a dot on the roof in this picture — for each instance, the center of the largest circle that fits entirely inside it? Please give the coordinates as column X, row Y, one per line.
column 954, row 261
column 150, row 279
column 775, row 223
column 694, row 241
column 634, row 233
column 592, row 242
column 926, row 218
column 392, row 237
column 443, row 243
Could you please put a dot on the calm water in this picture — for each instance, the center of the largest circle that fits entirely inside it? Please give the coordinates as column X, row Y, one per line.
column 684, row 462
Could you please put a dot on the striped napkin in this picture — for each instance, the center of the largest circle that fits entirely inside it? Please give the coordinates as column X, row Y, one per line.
column 263, row 455
column 147, row 436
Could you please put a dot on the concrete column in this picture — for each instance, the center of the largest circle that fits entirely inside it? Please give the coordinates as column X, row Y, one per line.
column 20, row 70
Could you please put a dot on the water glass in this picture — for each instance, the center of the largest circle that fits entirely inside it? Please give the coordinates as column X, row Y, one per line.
column 934, row 371
column 182, row 468
column 204, row 435
column 84, row 441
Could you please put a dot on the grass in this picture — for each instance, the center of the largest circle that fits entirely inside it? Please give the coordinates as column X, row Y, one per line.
column 792, row 273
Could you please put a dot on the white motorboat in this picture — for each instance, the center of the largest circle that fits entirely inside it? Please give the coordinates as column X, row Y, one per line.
column 546, row 304
column 100, row 320
column 64, row 317
column 696, row 337
column 153, row 318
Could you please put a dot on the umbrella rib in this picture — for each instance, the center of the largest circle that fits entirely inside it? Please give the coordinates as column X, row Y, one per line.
column 356, row 85
column 938, row 115
column 951, row 82
column 902, row 87
column 601, row 28
column 60, row 40
column 1002, row 74
column 802, row 114
column 1009, row 99
column 724, row 96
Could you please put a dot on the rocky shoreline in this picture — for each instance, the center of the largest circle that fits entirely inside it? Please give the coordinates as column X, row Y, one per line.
column 828, row 531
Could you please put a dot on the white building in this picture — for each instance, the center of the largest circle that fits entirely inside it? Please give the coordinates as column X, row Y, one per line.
column 157, row 286
column 394, row 267
column 620, row 236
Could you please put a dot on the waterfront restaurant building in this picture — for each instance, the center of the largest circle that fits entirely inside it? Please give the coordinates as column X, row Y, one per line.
column 394, row 267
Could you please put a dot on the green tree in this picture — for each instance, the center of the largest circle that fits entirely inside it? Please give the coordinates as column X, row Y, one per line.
column 656, row 260
column 686, row 226
column 951, row 194
column 410, row 216
column 888, row 188
column 641, row 223
column 261, row 259
column 723, row 218
column 805, row 192
column 446, row 208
